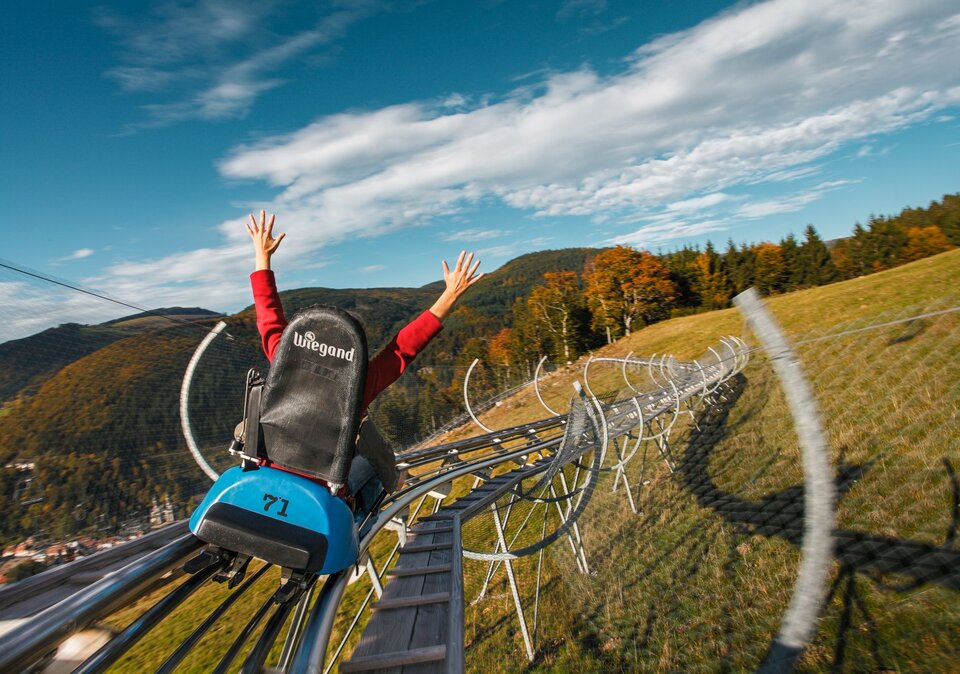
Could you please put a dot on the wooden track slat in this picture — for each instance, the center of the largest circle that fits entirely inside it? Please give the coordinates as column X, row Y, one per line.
column 414, row 656
column 390, row 632
column 415, row 600
column 418, row 570
column 433, row 619
column 434, row 530
column 424, row 547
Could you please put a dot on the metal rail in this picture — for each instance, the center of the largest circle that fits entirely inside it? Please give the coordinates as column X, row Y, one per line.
column 42, row 634
column 32, row 595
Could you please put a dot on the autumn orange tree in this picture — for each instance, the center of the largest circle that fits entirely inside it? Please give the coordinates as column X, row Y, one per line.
column 712, row 282
column 770, row 269
column 624, row 286
column 499, row 355
column 923, row 242
column 554, row 307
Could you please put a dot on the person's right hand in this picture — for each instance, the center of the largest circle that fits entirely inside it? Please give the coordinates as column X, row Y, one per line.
column 264, row 245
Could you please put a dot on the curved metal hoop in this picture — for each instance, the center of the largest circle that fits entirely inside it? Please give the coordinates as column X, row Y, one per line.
column 466, row 397
column 185, row 402
column 585, row 493
column 626, row 360
column 536, row 387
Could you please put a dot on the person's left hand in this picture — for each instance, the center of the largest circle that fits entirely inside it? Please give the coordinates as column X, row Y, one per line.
column 264, row 244
column 462, row 276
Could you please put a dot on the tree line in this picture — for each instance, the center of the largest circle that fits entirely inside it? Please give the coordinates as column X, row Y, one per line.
column 619, row 290
column 623, row 289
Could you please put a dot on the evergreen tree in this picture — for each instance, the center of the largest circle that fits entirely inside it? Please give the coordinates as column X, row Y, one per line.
column 746, row 270
column 885, row 243
column 849, row 256
column 950, row 219
column 738, row 267
column 429, row 404
column 793, row 265
column 684, row 275
column 817, row 266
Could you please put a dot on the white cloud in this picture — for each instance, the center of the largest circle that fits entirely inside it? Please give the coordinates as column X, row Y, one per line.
column 31, row 305
column 650, row 236
column 511, row 249
column 506, row 250
column 78, row 254
column 572, row 9
column 761, row 94
column 473, row 235
column 788, row 203
column 372, row 268
column 191, row 51
column 751, row 96
column 869, row 150
column 698, row 203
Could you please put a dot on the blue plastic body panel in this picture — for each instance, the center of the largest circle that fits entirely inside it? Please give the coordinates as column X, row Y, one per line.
column 288, row 498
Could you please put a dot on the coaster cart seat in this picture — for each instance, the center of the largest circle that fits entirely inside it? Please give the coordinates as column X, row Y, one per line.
column 296, row 444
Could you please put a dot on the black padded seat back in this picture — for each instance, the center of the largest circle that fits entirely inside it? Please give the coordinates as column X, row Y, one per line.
column 311, row 400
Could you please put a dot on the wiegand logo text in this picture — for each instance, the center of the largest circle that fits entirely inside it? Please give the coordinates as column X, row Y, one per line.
column 309, row 341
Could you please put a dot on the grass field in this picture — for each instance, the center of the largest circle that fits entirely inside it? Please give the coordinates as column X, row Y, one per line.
column 699, row 579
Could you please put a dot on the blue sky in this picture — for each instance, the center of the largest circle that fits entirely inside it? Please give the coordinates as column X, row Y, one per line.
column 387, row 135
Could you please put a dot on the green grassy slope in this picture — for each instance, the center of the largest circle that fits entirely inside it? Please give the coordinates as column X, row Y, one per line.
column 699, row 579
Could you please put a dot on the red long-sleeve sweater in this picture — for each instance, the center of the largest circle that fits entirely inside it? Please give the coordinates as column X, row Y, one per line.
column 383, row 369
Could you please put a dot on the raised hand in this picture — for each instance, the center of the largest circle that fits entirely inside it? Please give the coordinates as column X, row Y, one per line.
column 462, row 277
column 264, row 244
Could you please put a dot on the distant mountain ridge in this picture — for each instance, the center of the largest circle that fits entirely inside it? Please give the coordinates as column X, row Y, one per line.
column 27, row 362
column 174, row 313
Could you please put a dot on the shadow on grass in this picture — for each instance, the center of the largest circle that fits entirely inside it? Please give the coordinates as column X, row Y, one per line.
column 912, row 329
column 861, row 558
column 781, row 514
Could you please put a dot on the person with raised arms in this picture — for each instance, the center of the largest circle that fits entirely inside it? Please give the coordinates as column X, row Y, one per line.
column 374, row 466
